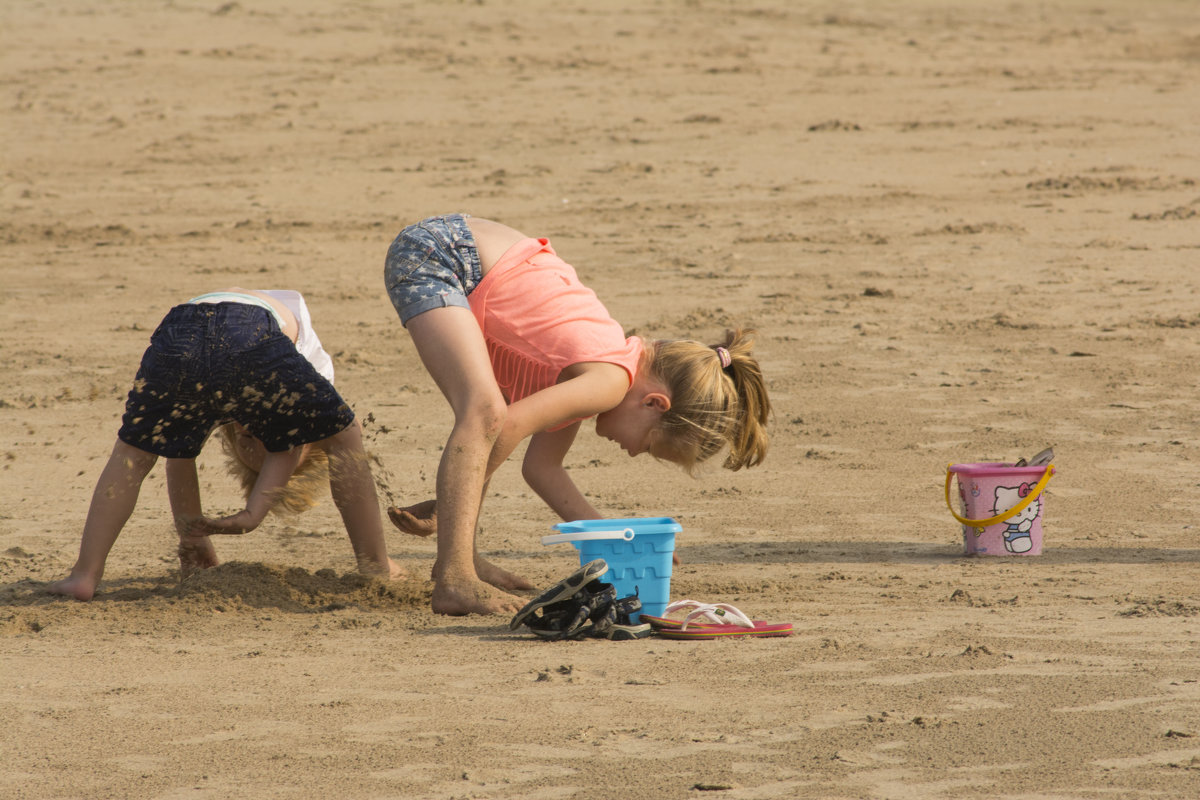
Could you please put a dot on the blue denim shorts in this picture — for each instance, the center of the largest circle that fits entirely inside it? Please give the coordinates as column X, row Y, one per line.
column 431, row 264
column 209, row 364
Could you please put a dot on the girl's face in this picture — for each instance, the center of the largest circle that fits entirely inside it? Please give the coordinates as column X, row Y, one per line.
column 633, row 423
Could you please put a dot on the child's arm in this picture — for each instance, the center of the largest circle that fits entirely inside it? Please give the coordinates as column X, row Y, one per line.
column 590, row 389
column 183, row 490
column 276, row 469
column 543, row 471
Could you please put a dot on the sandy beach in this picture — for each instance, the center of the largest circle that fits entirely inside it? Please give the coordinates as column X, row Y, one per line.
column 964, row 232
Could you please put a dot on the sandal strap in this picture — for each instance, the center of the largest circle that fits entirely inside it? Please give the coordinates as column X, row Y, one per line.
column 682, row 605
column 719, row 614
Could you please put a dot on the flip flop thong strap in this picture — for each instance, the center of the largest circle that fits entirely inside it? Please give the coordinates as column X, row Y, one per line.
column 719, row 613
column 689, row 606
column 680, row 605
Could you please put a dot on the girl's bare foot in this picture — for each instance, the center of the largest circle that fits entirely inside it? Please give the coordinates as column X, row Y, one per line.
column 196, row 553
column 77, row 586
column 417, row 520
column 458, row 598
column 500, row 578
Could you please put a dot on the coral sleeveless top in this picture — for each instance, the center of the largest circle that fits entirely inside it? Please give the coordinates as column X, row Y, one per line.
column 538, row 319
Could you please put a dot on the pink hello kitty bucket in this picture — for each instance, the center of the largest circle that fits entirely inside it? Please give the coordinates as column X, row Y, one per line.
column 1002, row 507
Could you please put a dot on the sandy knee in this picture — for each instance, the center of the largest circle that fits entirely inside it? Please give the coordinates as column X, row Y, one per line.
column 483, row 417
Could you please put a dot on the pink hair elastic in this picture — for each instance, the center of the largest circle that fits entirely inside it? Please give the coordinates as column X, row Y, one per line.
column 723, row 354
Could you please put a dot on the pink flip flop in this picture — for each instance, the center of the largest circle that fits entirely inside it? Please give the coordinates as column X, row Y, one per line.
column 712, row 621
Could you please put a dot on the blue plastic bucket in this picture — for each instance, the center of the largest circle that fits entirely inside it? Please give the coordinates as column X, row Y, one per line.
column 638, row 552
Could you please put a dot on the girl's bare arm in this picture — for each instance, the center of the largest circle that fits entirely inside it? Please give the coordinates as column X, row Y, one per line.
column 593, row 388
column 543, row 471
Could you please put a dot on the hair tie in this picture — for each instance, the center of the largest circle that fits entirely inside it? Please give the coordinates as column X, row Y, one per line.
column 723, row 354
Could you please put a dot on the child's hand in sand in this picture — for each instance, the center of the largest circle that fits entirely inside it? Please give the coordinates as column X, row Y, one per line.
column 417, row 520
column 390, row 571
column 395, row 571
column 196, row 553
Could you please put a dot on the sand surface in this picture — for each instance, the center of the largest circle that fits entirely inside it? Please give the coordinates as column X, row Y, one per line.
column 965, row 231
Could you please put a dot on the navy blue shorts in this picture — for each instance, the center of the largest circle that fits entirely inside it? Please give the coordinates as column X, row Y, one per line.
column 431, row 264
column 210, row 364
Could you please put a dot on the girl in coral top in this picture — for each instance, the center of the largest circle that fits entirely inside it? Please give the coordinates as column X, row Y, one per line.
column 521, row 349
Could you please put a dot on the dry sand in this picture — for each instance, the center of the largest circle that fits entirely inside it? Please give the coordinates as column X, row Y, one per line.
column 965, row 231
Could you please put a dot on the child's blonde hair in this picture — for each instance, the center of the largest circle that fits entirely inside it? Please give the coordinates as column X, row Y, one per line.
column 302, row 490
column 718, row 399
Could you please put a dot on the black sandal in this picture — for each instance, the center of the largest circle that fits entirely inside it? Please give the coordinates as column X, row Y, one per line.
column 568, row 619
column 563, row 590
column 616, row 624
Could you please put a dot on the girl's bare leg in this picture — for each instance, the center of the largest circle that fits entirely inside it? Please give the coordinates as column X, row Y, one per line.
column 453, row 350
column 113, row 501
column 421, row 520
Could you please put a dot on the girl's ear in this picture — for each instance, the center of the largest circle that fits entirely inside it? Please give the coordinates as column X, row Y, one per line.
column 658, row 401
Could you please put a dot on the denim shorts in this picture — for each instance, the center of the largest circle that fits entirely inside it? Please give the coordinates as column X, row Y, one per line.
column 431, row 264
column 209, row 364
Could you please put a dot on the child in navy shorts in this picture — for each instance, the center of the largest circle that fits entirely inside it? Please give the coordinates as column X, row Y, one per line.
column 247, row 362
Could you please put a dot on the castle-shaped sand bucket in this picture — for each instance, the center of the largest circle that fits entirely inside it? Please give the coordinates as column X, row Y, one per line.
column 638, row 551
column 1002, row 507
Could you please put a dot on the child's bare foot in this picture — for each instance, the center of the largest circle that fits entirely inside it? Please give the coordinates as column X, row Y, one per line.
column 458, row 598
column 500, row 578
column 417, row 520
column 77, row 586
column 196, row 553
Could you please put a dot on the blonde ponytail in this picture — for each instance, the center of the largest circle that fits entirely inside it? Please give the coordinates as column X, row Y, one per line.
column 718, row 399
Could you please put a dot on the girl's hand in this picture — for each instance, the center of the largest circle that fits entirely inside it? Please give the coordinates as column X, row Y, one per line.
column 417, row 520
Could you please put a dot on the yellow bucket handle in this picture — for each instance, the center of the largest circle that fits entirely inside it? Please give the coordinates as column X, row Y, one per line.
column 1012, row 512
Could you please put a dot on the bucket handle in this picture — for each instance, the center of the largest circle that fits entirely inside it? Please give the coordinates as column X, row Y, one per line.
column 1012, row 512
column 626, row 534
